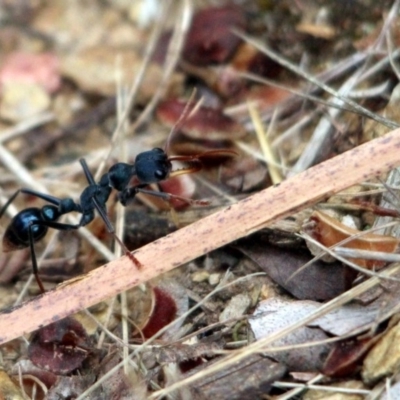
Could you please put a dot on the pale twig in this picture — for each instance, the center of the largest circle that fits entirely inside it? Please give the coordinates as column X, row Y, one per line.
column 236, row 221
column 122, row 104
column 296, row 391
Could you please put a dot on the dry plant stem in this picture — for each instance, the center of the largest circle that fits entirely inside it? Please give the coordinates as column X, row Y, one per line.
column 295, row 392
column 336, row 389
column 174, row 50
column 25, row 126
column 276, row 57
column 269, row 156
column 131, row 97
column 322, row 133
column 232, row 223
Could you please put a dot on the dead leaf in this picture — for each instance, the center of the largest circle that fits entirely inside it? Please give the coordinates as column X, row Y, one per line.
column 275, row 314
column 207, row 123
column 251, row 378
column 319, row 281
column 329, row 231
column 384, row 358
column 60, row 347
column 346, row 356
column 210, row 39
column 8, row 388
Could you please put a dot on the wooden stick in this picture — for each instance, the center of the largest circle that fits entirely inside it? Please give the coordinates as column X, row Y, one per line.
column 239, row 220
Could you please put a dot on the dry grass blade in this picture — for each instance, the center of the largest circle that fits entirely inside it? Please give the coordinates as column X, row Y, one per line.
column 234, row 222
column 280, row 60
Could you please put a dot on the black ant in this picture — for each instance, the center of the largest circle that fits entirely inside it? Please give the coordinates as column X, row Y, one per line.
column 31, row 225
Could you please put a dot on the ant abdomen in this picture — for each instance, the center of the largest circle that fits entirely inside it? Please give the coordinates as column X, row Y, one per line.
column 17, row 233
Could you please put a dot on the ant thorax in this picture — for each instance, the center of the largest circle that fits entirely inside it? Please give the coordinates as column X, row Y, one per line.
column 119, row 175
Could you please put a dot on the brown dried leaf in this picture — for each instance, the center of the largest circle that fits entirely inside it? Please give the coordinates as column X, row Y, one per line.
column 250, row 59
column 27, row 369
column 60, row 347
column 157, row 307
column 244, row 174
column 329, row 231
column 207, row 123
column 210, row 39
column 346, row 356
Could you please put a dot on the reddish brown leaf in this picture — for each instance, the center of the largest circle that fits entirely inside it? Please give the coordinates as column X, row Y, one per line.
column 206, row 123
column 169, row 302
column 60, row 347
column 345, row 358
column 210, row 39
column 164, row 312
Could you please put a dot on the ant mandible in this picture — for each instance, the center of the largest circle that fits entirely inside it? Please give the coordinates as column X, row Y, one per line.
column 31, row 225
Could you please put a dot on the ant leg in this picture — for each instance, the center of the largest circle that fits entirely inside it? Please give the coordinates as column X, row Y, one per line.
column 111, row 230
column 86, row 170
column 64, row 205
column 55, row 225
column 34, row 261
column 168, row 197
column 47, row 197
column 7, row 204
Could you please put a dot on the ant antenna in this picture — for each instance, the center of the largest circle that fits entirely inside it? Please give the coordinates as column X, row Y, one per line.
column 189, row 110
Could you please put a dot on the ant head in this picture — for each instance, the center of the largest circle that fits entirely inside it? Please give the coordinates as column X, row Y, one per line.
column 152, row 166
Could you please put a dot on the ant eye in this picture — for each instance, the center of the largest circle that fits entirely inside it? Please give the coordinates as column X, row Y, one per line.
column 159, row 174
